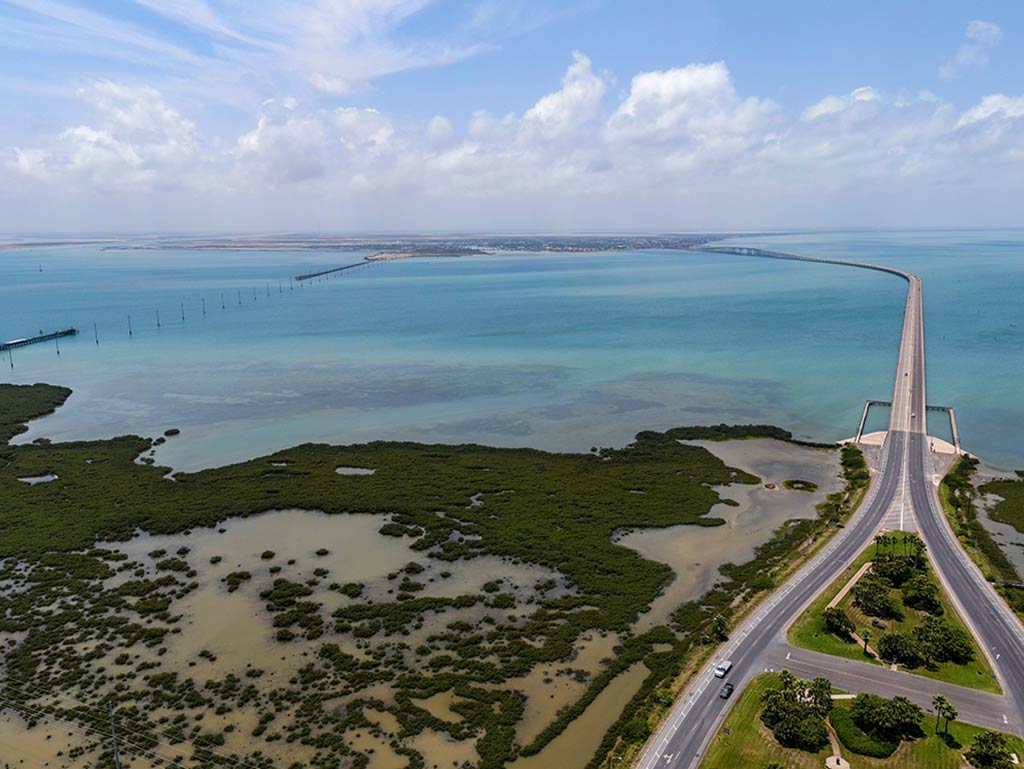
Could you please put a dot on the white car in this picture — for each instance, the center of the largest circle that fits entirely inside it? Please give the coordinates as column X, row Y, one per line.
column 723, row 668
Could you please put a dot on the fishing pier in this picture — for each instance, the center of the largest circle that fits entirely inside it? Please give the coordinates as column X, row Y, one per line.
column 4, row 346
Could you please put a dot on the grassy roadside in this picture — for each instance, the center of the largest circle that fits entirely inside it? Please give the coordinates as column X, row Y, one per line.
column 957, row 493
column 743, row 741
column 808, row 632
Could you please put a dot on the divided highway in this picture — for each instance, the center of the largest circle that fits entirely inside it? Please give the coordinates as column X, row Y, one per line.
column 905, row 469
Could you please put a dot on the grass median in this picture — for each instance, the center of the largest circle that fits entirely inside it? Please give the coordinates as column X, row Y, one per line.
column 809, row 630
column 744, row 741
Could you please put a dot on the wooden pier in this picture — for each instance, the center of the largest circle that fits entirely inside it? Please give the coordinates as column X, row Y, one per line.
column 4, row 346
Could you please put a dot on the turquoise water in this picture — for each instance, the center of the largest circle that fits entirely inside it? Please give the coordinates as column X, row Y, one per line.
column 557, row 351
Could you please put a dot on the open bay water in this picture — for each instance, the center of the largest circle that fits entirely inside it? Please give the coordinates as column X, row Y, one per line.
column 554, row 351
column 973, row 282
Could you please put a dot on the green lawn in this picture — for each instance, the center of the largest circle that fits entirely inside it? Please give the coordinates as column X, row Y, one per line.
column 808, row 632
column 749, row 744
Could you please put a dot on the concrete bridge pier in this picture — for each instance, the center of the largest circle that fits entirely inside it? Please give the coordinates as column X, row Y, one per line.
column 956, row 433
column 864, row 416
column 863, row 419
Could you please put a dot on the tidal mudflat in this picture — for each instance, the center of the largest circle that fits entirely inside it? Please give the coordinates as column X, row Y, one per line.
column 446, row 606
column 751, row 517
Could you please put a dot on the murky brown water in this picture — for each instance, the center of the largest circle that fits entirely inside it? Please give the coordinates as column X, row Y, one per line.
column 576, row 745
column 695, row 553
column 441, row 752
column 547, row 692
column 37, row 747
column 440, row 706
column 235, row 626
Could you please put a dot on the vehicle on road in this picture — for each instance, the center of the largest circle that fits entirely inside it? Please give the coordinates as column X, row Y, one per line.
column 726, row 691
column 722, row 668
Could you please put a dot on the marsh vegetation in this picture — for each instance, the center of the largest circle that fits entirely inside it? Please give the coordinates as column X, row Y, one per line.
column 285, row 614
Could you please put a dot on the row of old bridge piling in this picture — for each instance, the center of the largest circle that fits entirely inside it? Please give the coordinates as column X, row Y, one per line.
column 226, row 301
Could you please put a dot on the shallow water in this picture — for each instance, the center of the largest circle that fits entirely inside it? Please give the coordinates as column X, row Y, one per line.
column 236, row 629
column 558, row 351
column 547, row 691
column 33, row 480
column 696, row 553
column 235, row 626
column 576, row 745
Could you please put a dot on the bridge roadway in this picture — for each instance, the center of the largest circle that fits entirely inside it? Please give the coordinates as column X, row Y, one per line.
column 905, row 473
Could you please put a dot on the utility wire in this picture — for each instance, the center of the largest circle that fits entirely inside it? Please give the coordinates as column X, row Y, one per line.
column 141, row 728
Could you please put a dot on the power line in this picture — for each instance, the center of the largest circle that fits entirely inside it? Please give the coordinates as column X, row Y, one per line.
column 73, row 726
column 141, row 728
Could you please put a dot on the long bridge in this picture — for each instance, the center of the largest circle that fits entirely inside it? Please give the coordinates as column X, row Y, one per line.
column 905, row 476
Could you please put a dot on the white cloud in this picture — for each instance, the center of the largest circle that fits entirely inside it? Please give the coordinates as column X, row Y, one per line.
column 832, row 105
column 439, row 130
column 28, row 164
column 75, row 27
column 242, row 53
column 694, row 104
column 282, row 152
column 332, row 84
column 994, row 106
column 678, row 138
column 982, row 36
column 141, row 112
column 137, row 142
column 565, row 111
column 487, row 127
column 363, row 129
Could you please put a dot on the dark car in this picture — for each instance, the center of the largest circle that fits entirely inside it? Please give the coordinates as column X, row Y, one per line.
column 726, row 691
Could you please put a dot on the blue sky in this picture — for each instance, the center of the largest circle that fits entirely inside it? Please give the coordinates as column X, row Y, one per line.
column 525, row 114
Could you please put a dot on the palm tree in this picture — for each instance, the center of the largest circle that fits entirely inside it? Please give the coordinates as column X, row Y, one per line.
column 943, row 709
column 951, row 714
column 919, row 549
column 879, row 540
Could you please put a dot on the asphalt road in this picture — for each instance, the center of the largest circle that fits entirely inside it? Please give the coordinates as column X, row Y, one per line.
column 904, row 477
column 975, row 707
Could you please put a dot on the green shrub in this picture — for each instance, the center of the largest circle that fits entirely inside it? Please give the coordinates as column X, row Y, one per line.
column 855, row 739
column 636, row 730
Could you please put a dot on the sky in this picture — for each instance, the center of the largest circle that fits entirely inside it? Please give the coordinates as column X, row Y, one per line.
column 508, row 115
